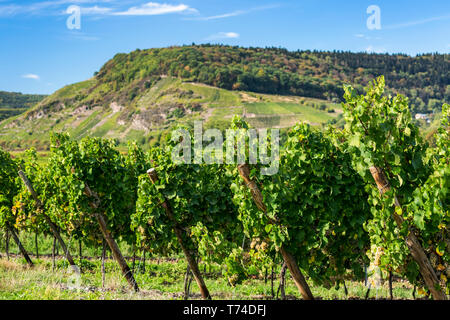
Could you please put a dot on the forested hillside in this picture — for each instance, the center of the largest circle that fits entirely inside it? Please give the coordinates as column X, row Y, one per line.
column 14, row 103
column 424, row 79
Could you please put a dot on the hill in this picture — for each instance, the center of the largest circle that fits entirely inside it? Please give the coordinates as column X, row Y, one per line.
column 14, row 103
column 151, row 116
column 424, row 79
column 140, row 95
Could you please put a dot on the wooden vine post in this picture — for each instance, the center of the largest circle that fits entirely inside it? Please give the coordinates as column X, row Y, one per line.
column 417, row 252
column 54, row 254
column 7, row 243
column 272, row 275
column 36, row 244
column 53, row 226
column 391, row 294
column 143, row 263
column 297, row 276
column 103, row 262
column 179, row 234
column 126, row 271
column 187, row 283
column 19, row 244
column 134, row 258
column 80, row 251
column 281, row 288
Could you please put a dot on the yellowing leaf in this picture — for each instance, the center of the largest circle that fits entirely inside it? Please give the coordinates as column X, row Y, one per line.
column 440, row 267
column 422, row 292
column 407, row 131
column 355, row 140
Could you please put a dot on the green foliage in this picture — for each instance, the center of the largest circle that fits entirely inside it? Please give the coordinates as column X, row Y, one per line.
column 200, row 199
column 315, row 206
column 322, row 205
column 8, row 188
column 380, row 133
column 95, row 163
column 431, row 203
column 28, row 217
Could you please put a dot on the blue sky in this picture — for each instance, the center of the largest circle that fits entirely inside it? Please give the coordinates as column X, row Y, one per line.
column 40, row 54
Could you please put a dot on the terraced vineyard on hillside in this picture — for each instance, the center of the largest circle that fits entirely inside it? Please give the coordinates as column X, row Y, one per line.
column 168, row 102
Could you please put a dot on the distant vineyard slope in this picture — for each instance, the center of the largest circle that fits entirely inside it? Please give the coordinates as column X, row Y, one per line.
column 14, row 103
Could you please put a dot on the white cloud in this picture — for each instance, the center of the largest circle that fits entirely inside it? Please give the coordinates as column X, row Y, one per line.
column 417, row 22
column 85, row 37
column 96, row 10
column 363, row 36
column 372, row 49
column 58, row 7
column 153, row 8
column 235, row 13
column 224, row 35
column 222, row 16
column 230, row 34
column 43, row 7
column 9, row 10
column 31, row 76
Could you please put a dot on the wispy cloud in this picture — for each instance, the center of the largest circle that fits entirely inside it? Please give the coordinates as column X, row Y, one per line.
column 31, row 76
column 85, row 37
column 96, row 10
column 43, row 7
column 363, row 36
column 415, row 23
column 235, row 13
column 153, row 8
column 224, row 35
column 9, row 10
column 99, row 8
column 222, row 16
column 372, row 49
